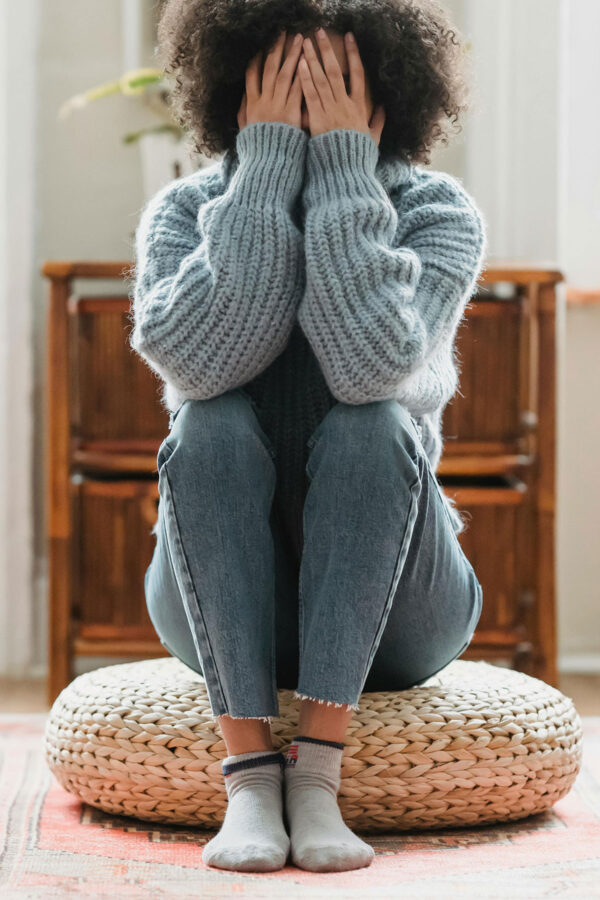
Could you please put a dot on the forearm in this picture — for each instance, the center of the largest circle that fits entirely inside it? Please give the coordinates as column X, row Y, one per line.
column 382, row 288
column 228, row 309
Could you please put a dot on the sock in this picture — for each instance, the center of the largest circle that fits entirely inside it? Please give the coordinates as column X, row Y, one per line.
column 320, row 839
column 253, row 836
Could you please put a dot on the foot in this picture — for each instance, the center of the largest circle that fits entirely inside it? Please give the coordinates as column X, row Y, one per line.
column 253, row 837
column 320, row 839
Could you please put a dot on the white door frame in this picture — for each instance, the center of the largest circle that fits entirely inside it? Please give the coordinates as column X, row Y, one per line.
column 18, row 40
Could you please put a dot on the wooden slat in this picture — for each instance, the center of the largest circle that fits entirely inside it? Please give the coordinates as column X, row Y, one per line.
column 521, row 273
column 67, row 269
column 116, row 633
column 58, row 503
column 122, row 461
column 546, row 487
column 98, row 305
column 481, row 465
column 501, row 639
column 486, row 496
column 145, row 649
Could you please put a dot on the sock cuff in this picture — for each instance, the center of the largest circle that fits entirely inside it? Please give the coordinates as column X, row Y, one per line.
column 314, row 755
column 312, row 740
column 239, row 761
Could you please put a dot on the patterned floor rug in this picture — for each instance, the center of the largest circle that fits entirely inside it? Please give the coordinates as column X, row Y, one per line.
column 53, row 846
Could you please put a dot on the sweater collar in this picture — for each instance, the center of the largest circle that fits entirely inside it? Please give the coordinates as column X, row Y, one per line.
column 390, row 171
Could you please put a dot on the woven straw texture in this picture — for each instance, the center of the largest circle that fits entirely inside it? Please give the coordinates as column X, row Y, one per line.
column 474, row 744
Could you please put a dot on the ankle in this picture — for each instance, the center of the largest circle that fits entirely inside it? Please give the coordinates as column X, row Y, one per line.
column 245, row 735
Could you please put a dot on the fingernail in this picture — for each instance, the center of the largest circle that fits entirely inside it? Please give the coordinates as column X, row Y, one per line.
column 321, row 32
column 298, row 38
column 350, row 36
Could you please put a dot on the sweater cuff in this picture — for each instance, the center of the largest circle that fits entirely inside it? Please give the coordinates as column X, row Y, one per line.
column 271, row 163
column 341, row 162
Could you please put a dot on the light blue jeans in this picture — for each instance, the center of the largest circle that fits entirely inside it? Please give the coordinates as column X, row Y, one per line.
column 380, row 596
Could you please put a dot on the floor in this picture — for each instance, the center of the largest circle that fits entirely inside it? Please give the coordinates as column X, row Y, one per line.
column 30, row 695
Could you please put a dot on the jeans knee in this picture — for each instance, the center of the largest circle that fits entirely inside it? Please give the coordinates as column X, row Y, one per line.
column 214, row 430
column 373, row 432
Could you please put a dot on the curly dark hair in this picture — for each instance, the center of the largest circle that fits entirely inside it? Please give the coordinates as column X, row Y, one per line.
column 413, row 56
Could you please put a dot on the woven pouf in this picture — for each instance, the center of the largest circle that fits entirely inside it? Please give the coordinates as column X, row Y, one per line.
column 475, row 744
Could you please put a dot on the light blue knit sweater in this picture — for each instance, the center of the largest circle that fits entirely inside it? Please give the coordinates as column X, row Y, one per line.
column 314, row 263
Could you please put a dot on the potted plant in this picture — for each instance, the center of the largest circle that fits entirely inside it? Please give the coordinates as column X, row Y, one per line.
column 164, row 152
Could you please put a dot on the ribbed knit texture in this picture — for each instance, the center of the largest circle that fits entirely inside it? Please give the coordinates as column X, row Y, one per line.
column 252, row 837
column 310, row 271
column 320, row 839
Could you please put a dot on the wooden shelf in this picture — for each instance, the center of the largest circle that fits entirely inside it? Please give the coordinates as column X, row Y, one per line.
column 104, row 647
column 106, row 422
column 482, row 465
column 132, row 462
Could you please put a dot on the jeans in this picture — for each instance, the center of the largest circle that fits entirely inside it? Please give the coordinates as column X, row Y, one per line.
column 380, row 596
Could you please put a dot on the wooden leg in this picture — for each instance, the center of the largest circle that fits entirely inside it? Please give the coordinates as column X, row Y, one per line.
column 59, row 631
column 59, row 525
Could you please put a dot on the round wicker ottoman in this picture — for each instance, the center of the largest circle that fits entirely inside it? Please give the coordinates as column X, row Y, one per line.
column 474, row 744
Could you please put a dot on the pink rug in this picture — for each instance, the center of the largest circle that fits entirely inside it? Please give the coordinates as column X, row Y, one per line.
column 52, row 845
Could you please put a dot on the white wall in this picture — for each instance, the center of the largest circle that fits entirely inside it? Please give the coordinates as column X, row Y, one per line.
column 18, row 45
column 532, row 180
column 513, row 156
column 532, row 162
column 579, row 434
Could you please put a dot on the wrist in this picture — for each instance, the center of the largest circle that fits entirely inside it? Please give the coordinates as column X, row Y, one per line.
column 271, row 162
column 341, row 162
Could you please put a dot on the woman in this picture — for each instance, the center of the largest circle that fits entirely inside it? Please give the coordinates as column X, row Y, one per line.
column 300, row 300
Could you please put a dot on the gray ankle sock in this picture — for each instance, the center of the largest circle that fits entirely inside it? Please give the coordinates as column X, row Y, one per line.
column 320, row 839
column 253, row 836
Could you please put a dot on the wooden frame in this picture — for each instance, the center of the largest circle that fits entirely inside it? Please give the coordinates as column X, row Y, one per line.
column 535, row 463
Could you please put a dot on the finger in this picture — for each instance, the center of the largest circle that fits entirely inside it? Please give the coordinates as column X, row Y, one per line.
column 290, row 65
column 319, row 78
column 331, row 66
column 272, row 65
column 357, row 72
column 313, row 101
column 253, row 77
column 377, row 121
column 295, row 95
column 242, row 108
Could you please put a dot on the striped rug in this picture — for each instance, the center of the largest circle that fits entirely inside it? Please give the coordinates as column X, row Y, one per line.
column 52, row 845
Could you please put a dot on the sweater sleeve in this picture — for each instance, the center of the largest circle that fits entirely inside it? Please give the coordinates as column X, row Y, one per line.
column 218, row 279
column 386, row 279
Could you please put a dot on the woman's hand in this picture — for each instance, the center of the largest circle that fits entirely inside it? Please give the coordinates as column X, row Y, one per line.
column 279, row 99
column 328, row 103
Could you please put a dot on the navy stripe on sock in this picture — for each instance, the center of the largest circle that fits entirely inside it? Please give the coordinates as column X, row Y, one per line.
column 253, row 762
column 313, row 740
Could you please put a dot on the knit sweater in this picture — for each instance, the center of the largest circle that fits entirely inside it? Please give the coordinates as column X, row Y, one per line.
column 310, row 271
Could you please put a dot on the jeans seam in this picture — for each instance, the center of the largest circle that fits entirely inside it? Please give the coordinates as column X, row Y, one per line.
column 274, row 656
column 404, row 546
column 198, row 607
column 264, row 437
column 163, row 642
column 440, row 490
column 165, row 446
column 300, row 620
